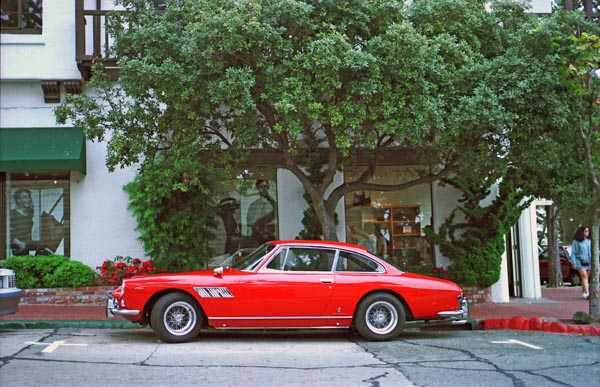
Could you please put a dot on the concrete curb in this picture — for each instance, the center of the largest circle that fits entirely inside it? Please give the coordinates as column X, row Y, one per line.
column 55, row 324
column 514, row 323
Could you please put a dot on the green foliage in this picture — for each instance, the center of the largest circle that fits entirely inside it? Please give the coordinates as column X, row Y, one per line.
column 49, row 271
column 71, row 274
column 476, row 244
column 174, row 211
column 472, row 91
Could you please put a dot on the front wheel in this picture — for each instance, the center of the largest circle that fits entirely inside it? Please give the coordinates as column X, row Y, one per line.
column 176, row 318
column 380, row 317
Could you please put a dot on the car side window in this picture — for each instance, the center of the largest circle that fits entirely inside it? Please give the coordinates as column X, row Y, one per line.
column 348, row 261
column 303, row 259
column 278, row 261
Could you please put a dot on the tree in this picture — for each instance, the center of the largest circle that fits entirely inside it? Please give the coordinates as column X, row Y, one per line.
column 580, row 60
column 362, row 78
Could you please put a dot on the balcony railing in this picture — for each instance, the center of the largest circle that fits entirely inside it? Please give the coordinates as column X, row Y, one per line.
column 92, row 40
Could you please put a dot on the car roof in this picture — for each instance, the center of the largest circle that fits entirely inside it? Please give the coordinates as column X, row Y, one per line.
column 318, row 243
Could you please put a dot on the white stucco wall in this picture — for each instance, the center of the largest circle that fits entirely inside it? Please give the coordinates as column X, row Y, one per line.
column 101, row 225
column 50, row 55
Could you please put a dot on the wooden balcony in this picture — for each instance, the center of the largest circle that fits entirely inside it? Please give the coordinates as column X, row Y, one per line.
column 92, row 40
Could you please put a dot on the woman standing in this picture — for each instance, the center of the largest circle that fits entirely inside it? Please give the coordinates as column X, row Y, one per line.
column 581, row 256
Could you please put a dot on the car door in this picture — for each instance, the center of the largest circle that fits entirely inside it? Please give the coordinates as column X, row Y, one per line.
column 296, row 283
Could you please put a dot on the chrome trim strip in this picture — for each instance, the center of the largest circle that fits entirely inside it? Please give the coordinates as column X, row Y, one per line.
column 283, row 318
column 270, row 328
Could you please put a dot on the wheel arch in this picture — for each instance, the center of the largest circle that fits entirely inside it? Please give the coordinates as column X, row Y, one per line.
column 156, row 296
column 407, row 310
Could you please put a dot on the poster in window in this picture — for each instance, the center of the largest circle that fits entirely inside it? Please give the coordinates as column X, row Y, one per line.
column 36, row 220
column 248, row 219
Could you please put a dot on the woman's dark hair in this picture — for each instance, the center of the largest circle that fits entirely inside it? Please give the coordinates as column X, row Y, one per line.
column 579, row 233
column 260, row 181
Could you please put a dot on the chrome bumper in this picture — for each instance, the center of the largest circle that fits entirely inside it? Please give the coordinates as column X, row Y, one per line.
column 456, row 314
column 112, row 309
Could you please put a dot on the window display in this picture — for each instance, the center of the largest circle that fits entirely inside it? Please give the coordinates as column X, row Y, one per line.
column 36, row 216
column 248, row 216
column 390, row 224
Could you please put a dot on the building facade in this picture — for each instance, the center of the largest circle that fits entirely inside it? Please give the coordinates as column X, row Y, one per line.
column 57, row 195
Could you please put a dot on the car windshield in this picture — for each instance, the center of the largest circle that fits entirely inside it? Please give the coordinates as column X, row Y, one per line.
column 251, row 261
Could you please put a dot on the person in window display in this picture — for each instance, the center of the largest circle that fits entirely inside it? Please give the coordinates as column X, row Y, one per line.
column 21, row 223
column 261, row 214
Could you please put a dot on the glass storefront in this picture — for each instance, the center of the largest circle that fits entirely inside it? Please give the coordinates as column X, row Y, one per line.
column 248, row 216
column 37, row 214
column 390, row 224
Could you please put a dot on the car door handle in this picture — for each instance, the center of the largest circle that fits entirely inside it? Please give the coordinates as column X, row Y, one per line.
column 327, row 280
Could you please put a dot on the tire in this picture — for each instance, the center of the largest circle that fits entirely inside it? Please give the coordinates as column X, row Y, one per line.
column 575, row 278
column 380, row 317
column 176, row 318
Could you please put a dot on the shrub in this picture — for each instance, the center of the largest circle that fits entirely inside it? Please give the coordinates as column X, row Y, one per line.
column 71, row 274
column 49, row 271
column 112, row 272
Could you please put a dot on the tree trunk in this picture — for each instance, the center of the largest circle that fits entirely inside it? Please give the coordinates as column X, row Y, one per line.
column 555, row 279
column 325, row 214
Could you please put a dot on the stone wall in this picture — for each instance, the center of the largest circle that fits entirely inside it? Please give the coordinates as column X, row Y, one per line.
column 96, row 295
column 477, row 295
column 93, row 295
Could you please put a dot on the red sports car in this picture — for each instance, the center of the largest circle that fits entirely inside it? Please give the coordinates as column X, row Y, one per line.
column 290, row 285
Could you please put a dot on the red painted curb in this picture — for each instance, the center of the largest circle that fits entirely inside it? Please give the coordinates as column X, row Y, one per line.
column 537, row 324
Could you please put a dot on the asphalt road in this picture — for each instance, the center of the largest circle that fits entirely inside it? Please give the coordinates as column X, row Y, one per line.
column 134, row 357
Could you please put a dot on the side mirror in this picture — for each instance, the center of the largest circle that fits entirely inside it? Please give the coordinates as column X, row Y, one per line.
column 218, row 271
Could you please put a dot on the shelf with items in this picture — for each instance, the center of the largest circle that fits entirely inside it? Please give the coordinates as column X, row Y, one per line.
column 400, row 225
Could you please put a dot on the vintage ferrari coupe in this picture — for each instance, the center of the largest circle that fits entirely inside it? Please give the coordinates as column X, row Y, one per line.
column 290, row 285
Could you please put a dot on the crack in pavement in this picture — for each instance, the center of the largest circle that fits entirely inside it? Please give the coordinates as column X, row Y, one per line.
column 509, row 373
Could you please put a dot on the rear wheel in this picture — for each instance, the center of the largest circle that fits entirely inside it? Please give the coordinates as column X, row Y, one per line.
column 380, row 317
column 176, row 318
column 575, row 278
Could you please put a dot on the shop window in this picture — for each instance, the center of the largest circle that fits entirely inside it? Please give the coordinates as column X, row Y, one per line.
column 390, row 224
column 21, row 16
column 248, row 217
column 37, row 215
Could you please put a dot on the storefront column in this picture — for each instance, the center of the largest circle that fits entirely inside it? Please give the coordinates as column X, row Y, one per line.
column 529, row 260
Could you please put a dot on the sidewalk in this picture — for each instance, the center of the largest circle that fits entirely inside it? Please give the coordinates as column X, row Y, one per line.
column 556, row 304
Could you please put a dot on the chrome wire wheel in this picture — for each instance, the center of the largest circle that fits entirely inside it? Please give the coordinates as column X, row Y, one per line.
column 180, row 318
column 176, row 318
column 381, row 317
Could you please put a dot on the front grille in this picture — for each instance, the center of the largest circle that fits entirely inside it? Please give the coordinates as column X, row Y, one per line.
column 8, row 281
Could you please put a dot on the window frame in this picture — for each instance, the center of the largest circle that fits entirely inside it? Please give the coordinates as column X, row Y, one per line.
column 19, row 29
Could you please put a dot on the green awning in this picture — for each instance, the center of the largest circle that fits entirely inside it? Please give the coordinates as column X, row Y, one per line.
column 42, row 150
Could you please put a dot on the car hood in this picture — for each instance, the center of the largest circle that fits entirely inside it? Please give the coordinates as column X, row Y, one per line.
column 171, row 277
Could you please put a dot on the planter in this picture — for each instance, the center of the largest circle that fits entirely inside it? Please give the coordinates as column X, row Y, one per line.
column 477, row 295
column 91, row 295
